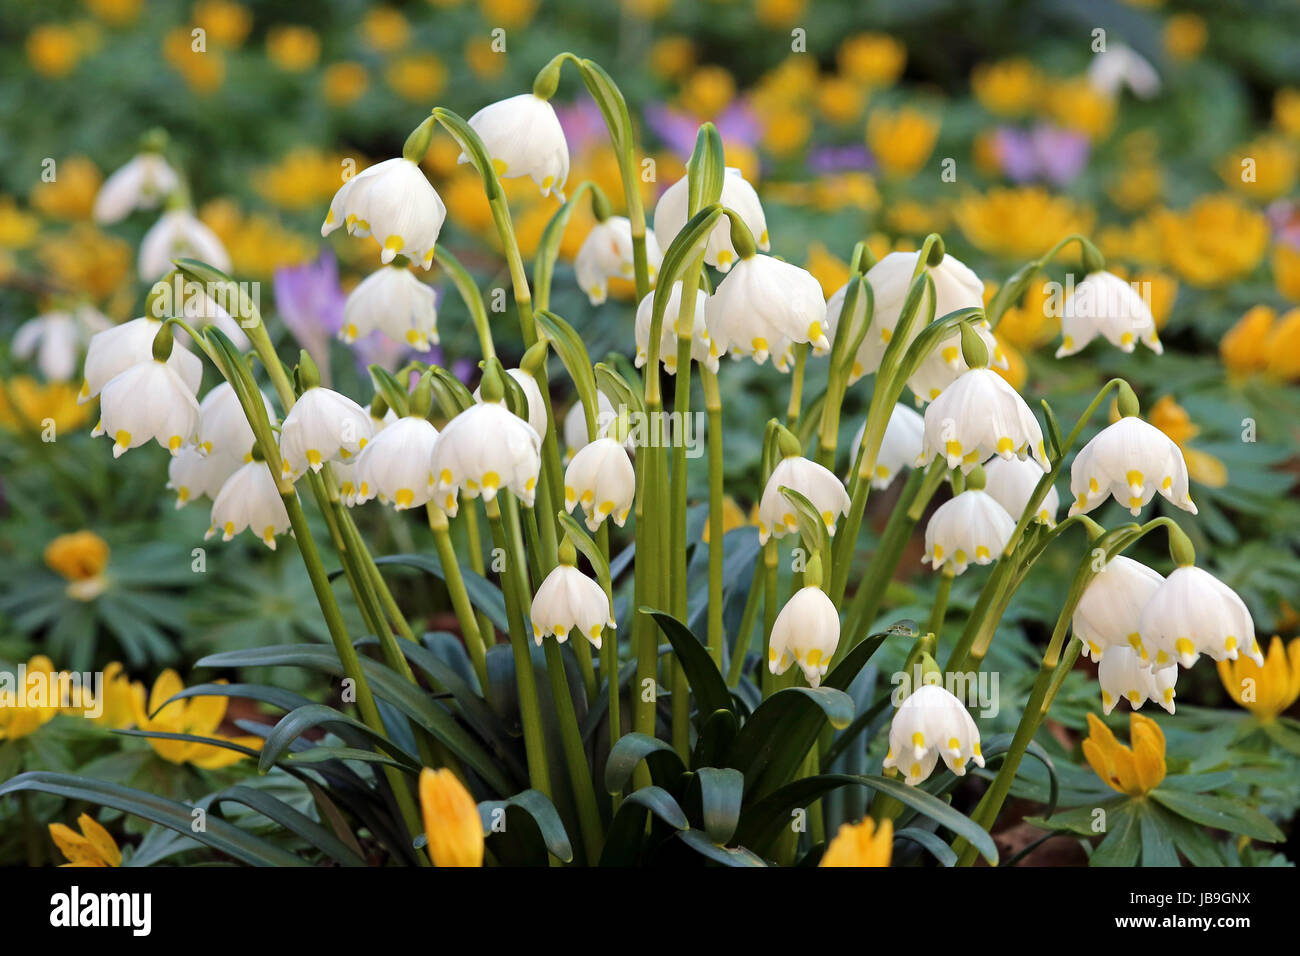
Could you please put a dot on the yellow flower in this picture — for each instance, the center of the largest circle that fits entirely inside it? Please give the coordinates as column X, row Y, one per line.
column 452, row 825
column 72, row 193
column 779, row 13
column 198, row 716
column 1156, row 288
column 647, row 9
column 17, row 228
column 1286, row 271
column 827, row 268
column 1244, row 349
column 785, row 130
column 53, row 49
column 1286, row 110
column 385, row 30
column 1283, row 348
column 507, row 13
column 708, row 90
column 840, row 100
column 1074, row 104
column 93, row 846
column 1184, row 36
column 1217, row 240
column 733, row 516
column 876, row 59
column 912, row 218
column 671, row 57
column 1137, row 187
column 344, row 83
column 122, row 699
column 1020, row 222
column 1008, row 87
column 302, row 179
column 1017, row 371
column 226, row 23
column 1027, row 324
column 482, row 59
column 27, row 713
column 792, row 81
column 293, row 48
column 86, row 259
column 80, row 558
column 26, row 403
column 1136, row 771
column 1139, row 242
column 203, row 72
column 417, row 77
column 1269, row 690
column 1265, row 168
column 1172, row 419
column 861, row 844
column 117, row 12
column 901, row 141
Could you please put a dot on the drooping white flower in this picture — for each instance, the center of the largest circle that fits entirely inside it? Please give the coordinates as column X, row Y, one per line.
column 737, row 195
column 567, row 599
column 396, row 303
column 345, row 473
column 1122, row 674
column 806, row 632
column 55, row 339
column 142, row 183
column 1194, row 613
column 249, row 499
column 148, row 402
column 1131, row 460
column 115, row 350
column 179, row 233
column 946, row 363
column 980, row 416
column 201, row 311
column 776, row 515
column 533, row 392
column 523, row 136
column 1104, row 304
column 764, row 306
column 394, row 201
column 322, row 426
column 1108, row 612
column 223, row 426
column 900, row 448
column 932, row 723
column 969, row 527
column 395, row 466
column 1119, row 66
column 192, row 474
column 606, row 253
column 703, row 349
column 1011, row 483
column 482, row 450
column 601, row 478
column 575, row 424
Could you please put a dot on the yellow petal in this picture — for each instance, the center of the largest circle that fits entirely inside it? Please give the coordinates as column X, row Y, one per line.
column 452, row 825
column 100, row 839
column 1148, row 751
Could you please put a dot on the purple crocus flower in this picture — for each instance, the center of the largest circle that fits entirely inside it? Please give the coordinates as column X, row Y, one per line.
column 737, row 124
column 826, row 160
column 1045, row 152
column 583, row 125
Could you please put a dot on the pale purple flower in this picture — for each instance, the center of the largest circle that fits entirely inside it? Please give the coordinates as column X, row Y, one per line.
column 737, row 124
column 825, row 160
column 1044, row 152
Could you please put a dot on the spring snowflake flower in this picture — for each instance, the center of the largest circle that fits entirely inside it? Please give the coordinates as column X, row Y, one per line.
column 970, row 527
column 932, row 723
column 1104, row 304
column 763, row 307
column 249, row 499
column 606, row 254
column 1108, row 611
column 533, row 392
column 115, row 350
column 569, row 599
column 482, row 450
column 1011, row 482
column 575, row 424
column 322, row 426
column 524, row 138
column 394, row 201
column 703, row 349
column 601, row 478
column 55, row 340
column 1123, row 674
column 396, row 303
column 945, row 364
column 776, row 515
column 737, row 195
column 980, row 416
column 1131, row 460
column 179, row 233
column 899, row 449
column 806, row 632
column 395, row 465
column 148, row 401
column 192, row 474
column 142, row 183
column 345, row 473
column 223, row 426
column 1194, row 613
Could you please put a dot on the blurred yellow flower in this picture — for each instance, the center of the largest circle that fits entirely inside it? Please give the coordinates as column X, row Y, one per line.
column 708, row 90
column 1017, row 371
column 417, row 77
column 80, row 558
column 1286, row 110
column 1007, row 87
column 116, row 12
column 344, row 83
column 482, row 59
column 733, row 517
column 1269, row 690
column 453, row 828
column 1286, row 271
column 29, row 707
column 779, row 14
column 1172, row 419
column 292, row 47
column 17, row 228
column 1027, row 324
column 901, row 141
column 1264, row 169
column 1138, row 242
column 912, row 218
column 873, row 58
column 1137, row 186
column 671, row 57
column 302, row 179
column 647, row 9
column 1244, row 349
column 72, row 193
column 443, row 157
column 507, row 13
column 1020, row 222
column 785, row 130
column 258, row 244
column 1284, row 348
column 1157, row 289
column 1074, row 104
column 93, row 846
column 840, row 100
column 85, row 259
column 826, row 267
column 385, row 30
column 861, row 844
column 25, row 403
column 226, row 23
column 792, row 81
column 203, row 72
column 986, row 154
column 122, row 699
column 1133, row 771
column 197, row 716
column 1184, row 36
column 1216, row 241
column 54, row 49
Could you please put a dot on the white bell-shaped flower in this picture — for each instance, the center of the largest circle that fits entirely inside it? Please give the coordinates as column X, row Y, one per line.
column 575, row 424
column 776, row 515
column 1131, row 460
column 395, row 202
column 1011, row 483
column 55, row 340
column 223, row 426
column 249, row 499
column 345, row 474
column 606, row 254
column 396, row 303
column 900, row 447
column 1104, row 304
column 322, row 426
column 737, row 195
column 179, row 233
column 1194, row 613
column 115, row 350
column 807, row 632
column 148, row 402
column 763, row 306
column 142, row 183
column 193, row 475
column 533, row 392
column 980, row 416
column 703, row 349
column 1108, row 612
column 523, row 136
column 1119, row 66
column 482, row 450
column 395, row 466
column 1123, row 675
column 972, row 527
column 946, row 363
column 601, row 479
column 567, row 599
column 932, row 723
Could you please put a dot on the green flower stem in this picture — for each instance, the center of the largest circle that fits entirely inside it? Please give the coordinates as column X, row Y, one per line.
column 940, row 608
column 474, row 545
column 713, row 405
column 771, row 558
column 645, row 643
column 746, row 632
column 1015, row 287
column 574, row 754
column 460, row 601
column 609, row 651
column 471, row 296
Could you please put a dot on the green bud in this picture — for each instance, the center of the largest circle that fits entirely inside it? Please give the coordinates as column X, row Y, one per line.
column 162, row 343
column 534, row 360
column 812, row 573
column 787, row 443
column 492, row 388
column 422, row 398
column 378, row 407
column 154, row 141
column 975, row 480
column 1180, row 546
column 1127, row 401
column 600, row 207
column 308, row 373
column 1091, row 257
column 417, row 144
column 973, row 349
column 548, row 79
column 256, row 453
column 567, row 553
column 937, row 250
column 741, row 237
